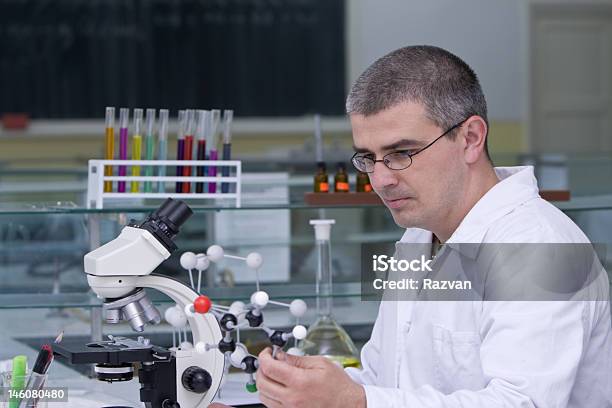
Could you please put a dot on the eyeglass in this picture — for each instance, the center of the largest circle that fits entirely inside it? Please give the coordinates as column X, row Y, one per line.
column 397, row 160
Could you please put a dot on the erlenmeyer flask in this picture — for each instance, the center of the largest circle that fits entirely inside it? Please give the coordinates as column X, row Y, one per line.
column 326, row 337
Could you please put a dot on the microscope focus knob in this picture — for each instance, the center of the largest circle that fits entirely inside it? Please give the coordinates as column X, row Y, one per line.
column 196, row 379
column 170, row 404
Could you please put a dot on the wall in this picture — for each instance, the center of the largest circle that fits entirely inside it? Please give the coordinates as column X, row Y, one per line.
column 487, row 34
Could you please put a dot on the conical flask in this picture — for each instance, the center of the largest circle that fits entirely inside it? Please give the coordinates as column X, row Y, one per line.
column 326, row 337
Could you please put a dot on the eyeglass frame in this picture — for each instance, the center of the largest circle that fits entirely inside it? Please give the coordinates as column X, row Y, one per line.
column 410, row 155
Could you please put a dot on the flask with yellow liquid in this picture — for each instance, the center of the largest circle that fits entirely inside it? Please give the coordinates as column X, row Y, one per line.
column 326, row 337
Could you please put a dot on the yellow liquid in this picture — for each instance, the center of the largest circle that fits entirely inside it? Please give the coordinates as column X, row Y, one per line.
column 345, row 361
column 109, row 155
column 136, row 155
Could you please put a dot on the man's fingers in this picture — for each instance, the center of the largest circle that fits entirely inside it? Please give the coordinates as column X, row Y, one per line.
column 277, row 370
column 268, row 402
column 218, row 405
column 268, row 391
column 270, row 388
column 306, row 362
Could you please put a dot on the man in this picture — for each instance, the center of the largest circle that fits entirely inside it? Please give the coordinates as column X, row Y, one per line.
column 419, row 122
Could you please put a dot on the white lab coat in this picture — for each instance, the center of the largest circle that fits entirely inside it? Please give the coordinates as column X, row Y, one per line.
column 475, row 354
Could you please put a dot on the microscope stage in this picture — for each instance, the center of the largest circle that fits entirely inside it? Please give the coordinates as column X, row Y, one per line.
column 106, row 352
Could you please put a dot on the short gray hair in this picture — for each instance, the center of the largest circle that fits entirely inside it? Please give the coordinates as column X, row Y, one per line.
column 433, row 77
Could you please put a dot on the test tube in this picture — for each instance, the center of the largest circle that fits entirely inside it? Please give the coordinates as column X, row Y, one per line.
column 149, row 147
column 162, row 151
column 180, row 143
column 124, row 117
column 136, row 147
column 212, row 145
column 228, row 116
column 188, row 148
column 109, row 139
column 201, row 131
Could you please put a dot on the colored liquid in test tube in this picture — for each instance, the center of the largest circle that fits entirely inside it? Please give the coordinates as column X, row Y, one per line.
column 201, row 132
column 212, row 145
column 180, row 147
column 149, row 147
column 188, row 148
column 228, row 116
column 124, row 117
column 109, row 141
column 162, row 150
column 136, row 148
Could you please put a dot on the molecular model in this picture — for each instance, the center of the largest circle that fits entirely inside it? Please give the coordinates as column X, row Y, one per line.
column 238, row 315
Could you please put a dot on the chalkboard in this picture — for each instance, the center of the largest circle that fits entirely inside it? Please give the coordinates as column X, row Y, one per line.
column 71, row 58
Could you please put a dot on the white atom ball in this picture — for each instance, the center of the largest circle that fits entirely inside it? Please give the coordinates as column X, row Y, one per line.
column 260, row 299
column 236, row 308
column 188, row 260
column 298, row 308
column 237, row 356
column 215, row 253
column 175, row 316
column 202, row 262
column 254, row 260
column 299, row 332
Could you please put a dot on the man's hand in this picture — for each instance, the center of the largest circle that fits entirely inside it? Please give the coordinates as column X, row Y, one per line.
column 217, row 405
column 305, row 382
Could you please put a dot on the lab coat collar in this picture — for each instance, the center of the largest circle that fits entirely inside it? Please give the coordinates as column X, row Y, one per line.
column 516, row 186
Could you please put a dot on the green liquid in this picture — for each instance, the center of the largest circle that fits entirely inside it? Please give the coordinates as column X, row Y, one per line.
column 150, row 155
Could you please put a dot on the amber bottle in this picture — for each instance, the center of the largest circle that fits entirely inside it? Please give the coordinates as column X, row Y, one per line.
column 321, row 181
column 341, row 181
column 363, row 183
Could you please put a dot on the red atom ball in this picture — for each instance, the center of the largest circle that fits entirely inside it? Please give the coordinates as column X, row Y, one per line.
column 202, row 304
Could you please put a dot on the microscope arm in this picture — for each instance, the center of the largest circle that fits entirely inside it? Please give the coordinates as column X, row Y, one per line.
column 204, row 327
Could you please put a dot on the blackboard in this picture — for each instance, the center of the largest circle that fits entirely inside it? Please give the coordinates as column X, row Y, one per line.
column 71, row 58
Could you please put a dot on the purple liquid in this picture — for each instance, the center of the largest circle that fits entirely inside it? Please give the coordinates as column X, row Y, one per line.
column 123, row 145
column 179, row 169
column 212, row 171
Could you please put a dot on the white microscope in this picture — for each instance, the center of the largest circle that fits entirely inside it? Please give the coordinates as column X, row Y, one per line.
column 118, row 272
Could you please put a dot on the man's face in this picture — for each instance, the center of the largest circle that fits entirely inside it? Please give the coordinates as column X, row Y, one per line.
column 423, row 194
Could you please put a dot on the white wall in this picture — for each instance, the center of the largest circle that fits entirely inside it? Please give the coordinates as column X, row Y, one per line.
column 487, row 34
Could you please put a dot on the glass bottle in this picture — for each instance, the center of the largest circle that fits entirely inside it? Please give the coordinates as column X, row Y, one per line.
column 326, row 337
column 341, row 182
column 363, row 183
column 321, row 181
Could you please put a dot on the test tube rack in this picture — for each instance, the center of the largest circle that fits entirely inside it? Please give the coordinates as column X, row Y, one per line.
column 96, row 179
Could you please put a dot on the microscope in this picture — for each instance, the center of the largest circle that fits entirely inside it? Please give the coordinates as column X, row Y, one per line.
column 119, row 272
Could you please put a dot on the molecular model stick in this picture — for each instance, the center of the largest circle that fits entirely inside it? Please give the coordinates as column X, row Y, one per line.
column 238, row 315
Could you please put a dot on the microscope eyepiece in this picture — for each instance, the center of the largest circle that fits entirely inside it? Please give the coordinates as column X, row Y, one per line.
column 174, row 213
column 164, row 223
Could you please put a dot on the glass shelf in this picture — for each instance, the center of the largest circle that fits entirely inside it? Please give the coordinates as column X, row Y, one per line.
column 25, row 210
column 586, row 203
